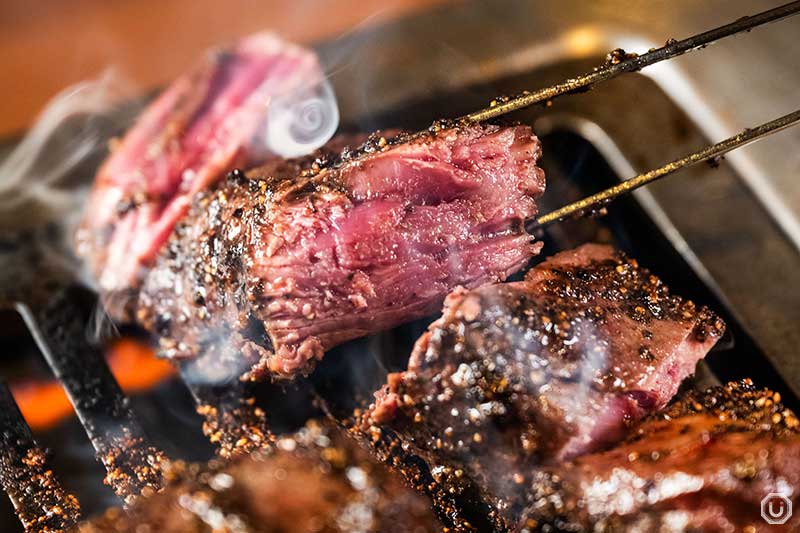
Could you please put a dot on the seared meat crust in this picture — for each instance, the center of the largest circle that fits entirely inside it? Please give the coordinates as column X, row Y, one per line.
column 516, row 375
column 317, row 481
column 704, row 464
column 276, row 266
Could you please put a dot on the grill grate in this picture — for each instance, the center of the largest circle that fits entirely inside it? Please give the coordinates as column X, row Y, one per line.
column 59, row 327
column 41, row 503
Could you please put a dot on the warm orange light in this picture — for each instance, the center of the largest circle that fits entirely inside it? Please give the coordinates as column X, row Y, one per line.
column 136, row 367
column 132, row 363
column 583, row 41
column 42, row 404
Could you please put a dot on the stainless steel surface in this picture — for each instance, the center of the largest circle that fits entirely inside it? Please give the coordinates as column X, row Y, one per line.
column 619, row 62
column 724, row 88
column 711, row 153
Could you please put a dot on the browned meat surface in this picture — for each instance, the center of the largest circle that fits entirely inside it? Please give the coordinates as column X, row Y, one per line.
column 519, row 374
column 316, row 482
column 272, row 269
column 704, row 464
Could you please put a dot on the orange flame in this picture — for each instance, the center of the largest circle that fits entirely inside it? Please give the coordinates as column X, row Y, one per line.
column 44, row 403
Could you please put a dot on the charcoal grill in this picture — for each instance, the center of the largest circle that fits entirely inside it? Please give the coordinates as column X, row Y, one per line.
column 722, row 235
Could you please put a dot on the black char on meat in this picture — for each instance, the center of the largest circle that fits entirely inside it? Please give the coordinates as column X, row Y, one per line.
column 288, row 260
column 317, row 481
column 704, row 464
column 516, row 375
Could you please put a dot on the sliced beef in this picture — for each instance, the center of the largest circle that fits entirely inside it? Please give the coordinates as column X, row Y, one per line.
column 202, row 126
column 274, row 267
column 317, row 481
column 704, row 464
column 521, row 374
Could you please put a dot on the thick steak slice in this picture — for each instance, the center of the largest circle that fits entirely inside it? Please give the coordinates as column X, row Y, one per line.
column 273, row 268
column 318, row 481
column 704, row 464
column 202, row 126
column 519, row 374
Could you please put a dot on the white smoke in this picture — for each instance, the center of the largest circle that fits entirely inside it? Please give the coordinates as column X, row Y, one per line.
column 301, row 121
column 74, row 128
column 43, row 184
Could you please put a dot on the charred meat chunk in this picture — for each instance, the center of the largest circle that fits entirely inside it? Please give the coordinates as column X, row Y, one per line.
column 517, row 375
column 317, row 481
column 203, row 125
column 704, row 464
column 289, row 260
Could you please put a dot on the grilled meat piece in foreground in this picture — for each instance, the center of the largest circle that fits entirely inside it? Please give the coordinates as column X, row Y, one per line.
column 318, row 481
column 202, row 126
column 520, row 374
column 279, row 267
column 704, row 464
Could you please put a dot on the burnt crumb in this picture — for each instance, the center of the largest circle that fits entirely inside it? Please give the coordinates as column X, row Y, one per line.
column 618, row 55
column 715, row 162
column 237, row 177
column 499, row 100
column 236, row 431
column 162, row 323
column 256, row 332
column 132, row 202
column 646, row 354
column 139, row 472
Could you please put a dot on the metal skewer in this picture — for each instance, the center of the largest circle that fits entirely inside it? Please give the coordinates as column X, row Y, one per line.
column 132, row 463
column 596, row 201
column 612, row 69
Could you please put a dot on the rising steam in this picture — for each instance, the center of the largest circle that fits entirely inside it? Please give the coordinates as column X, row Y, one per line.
column 301, row 121
column 72, row 130
column 43, row 184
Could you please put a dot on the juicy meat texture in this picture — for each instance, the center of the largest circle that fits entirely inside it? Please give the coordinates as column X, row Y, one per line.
column 317, row 481
column 274, row 267
column 202, row 126
column 520, row 374
column 704, row 464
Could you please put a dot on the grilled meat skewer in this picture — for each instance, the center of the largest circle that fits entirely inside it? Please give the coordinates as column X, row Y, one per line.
column 516, row 375
column 275, row 266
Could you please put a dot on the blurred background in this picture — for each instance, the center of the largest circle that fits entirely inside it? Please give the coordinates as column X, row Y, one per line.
column 47, row 45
